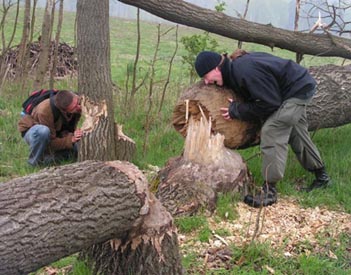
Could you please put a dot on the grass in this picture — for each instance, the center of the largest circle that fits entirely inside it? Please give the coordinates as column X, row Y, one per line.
column 163, row 143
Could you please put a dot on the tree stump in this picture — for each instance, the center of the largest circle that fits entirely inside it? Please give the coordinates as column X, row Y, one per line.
column 192, row 181
column 59, row 211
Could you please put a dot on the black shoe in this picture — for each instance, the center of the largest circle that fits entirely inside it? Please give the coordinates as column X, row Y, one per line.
column 322, row 180
column 267, row 196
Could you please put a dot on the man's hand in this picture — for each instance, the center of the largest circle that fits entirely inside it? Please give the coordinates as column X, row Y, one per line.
column 225, row 110
column 77, row 135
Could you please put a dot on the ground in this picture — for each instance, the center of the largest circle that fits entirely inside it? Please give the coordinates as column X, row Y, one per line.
column 285, row 225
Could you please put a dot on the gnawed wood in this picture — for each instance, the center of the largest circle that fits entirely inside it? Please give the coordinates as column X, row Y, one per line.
column 95, row 122
column 126, row 147
column 192, row 181
column 59, row 211
column 210, row 99
column 151, row 249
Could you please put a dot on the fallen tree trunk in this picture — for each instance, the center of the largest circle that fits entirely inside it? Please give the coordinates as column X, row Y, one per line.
column 59, row 211
column 330, row 107
column 185, row 13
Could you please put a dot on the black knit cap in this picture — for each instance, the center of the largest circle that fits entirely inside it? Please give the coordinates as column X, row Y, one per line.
column 206, row 61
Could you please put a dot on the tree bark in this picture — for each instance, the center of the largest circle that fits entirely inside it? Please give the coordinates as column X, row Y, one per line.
column 95, row 127
column 194, row 16
column 151, row 250
column 94, row 76
column 23, row 47
column 330, row 107
column 60, row 211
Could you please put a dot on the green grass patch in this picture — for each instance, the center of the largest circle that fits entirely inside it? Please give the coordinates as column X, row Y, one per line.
column 189, row 224
column 226, row 206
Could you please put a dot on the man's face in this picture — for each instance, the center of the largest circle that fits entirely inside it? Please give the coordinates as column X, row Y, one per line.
column 74, row 107
column 214, row 77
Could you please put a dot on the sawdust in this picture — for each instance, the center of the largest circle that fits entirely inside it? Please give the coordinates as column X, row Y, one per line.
column 285, row 226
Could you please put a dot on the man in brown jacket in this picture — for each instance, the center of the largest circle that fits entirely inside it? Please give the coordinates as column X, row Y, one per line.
column 50, row 130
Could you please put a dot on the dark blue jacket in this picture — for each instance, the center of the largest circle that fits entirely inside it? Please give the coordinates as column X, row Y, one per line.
column 264, row 81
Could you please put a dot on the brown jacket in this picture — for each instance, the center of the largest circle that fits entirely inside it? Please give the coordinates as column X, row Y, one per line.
column 42, row 114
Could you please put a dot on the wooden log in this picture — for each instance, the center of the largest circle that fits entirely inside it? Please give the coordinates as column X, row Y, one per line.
column 330, row 107
column 153, row 249
column 209, row 99
column 59, row 211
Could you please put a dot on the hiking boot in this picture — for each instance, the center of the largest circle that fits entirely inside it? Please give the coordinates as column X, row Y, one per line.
column 267, row 196
column 322, row 180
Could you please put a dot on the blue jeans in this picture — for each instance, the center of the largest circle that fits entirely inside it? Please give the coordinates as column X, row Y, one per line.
column 38, row 139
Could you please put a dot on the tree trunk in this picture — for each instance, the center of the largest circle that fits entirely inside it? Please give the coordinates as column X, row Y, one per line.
column 56, row 45
column 191, row 15
column 151, row 250
column 44, row 46
column 94, row 127
column 60, row 211
column 94, row 76
column 330, row 107
column 23, row 47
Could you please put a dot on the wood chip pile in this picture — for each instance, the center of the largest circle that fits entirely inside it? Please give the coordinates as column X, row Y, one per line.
column 285, row 226
column 66, row 62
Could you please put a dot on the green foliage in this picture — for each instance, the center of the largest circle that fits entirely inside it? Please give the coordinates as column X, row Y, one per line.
column 193, row 45
column 221, row 6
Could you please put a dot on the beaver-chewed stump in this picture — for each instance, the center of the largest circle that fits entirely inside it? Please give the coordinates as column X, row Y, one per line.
column 207, row 166
column 192, row 181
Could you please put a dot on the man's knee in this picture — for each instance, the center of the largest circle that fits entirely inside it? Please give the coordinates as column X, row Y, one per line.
column 42, row 132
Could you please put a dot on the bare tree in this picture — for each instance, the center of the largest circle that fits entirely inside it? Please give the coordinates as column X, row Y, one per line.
column 56, row 44
column 23, row 47
column 296, row 27
column 94, row 77
column 326, row 17
column 243, row 16
column 45, row 42
column 5, row 45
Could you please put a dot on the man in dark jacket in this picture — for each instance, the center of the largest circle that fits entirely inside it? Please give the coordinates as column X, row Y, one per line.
column 50, row 139
column 276, row 92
